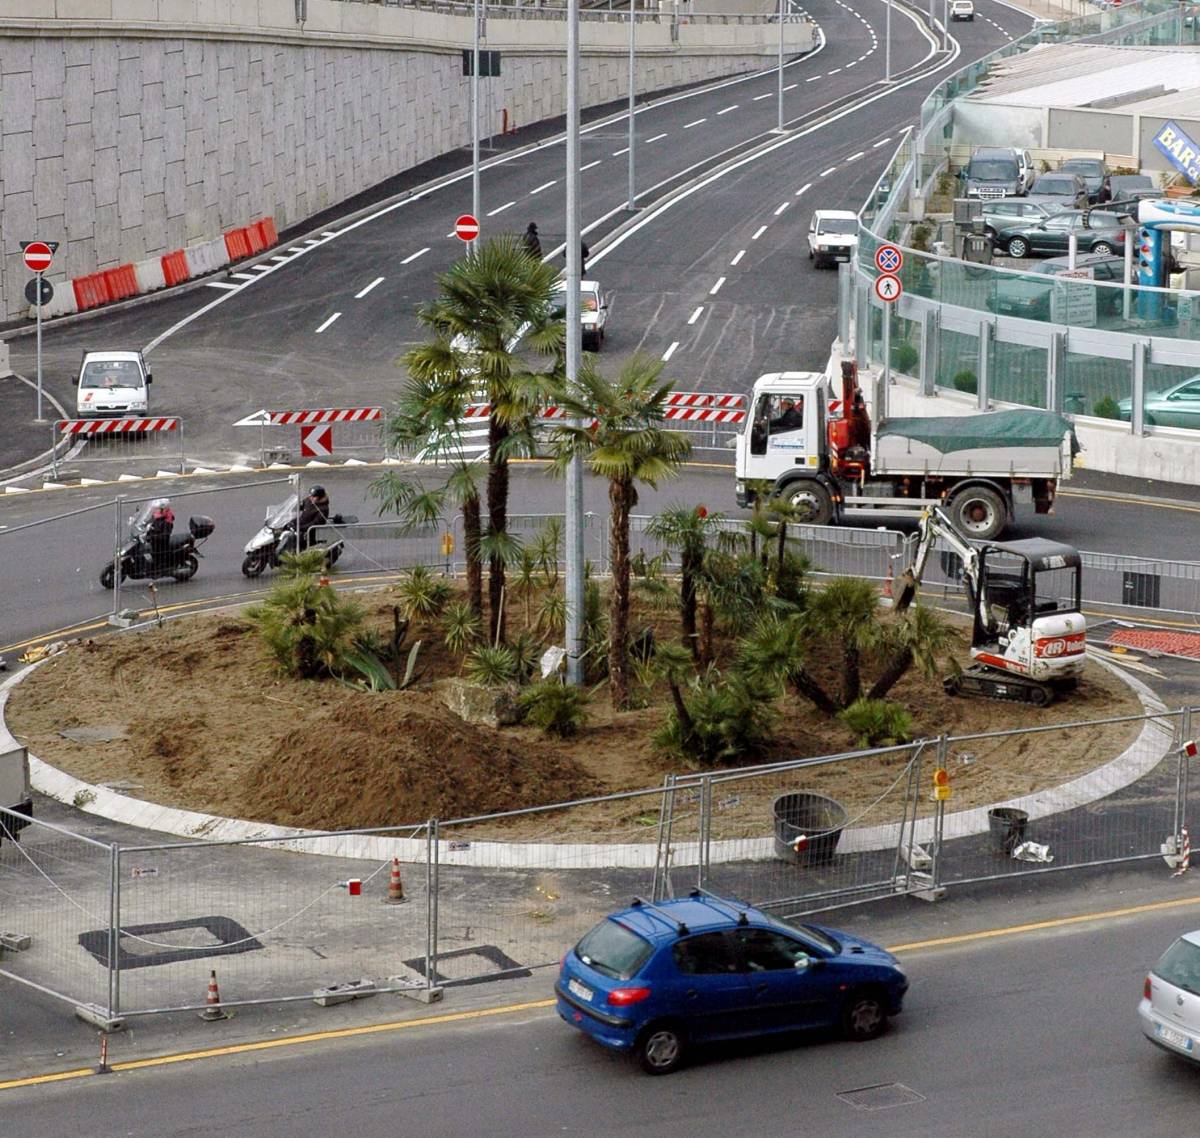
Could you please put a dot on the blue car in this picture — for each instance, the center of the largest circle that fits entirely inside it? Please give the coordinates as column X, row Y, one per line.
column 655, row 979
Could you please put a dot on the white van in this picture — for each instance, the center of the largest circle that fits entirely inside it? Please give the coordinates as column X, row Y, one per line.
column 112, row 384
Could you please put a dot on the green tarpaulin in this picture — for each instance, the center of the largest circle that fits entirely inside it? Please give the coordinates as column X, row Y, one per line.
column 949, row 433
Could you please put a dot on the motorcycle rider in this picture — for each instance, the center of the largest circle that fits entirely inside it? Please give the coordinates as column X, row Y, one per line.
column 314, row 512
column 159, row 529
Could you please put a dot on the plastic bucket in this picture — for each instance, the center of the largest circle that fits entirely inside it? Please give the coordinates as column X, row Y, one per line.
column 807, row 826
column 1007, row 827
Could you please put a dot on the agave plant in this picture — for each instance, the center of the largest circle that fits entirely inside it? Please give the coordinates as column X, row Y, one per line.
column 422, row 592
column 461, row 626
column 491, row 665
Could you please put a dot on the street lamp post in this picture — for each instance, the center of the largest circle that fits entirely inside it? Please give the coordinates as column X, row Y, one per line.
column 887, row 44
column 779, row 92
column 632, row 203
column 475, row 119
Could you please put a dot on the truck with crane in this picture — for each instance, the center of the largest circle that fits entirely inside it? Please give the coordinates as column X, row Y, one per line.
column 1028, row 635
column 15, row 793
column 822, row 450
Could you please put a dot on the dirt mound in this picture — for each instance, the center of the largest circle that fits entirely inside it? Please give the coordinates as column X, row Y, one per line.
column 391, row 759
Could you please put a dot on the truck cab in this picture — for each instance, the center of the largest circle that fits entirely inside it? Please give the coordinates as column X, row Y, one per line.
column 111, row 385
column 15, row 793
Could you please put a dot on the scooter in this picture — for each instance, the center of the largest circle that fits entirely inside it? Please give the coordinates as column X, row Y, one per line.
column 138, row 561
column 278, row 536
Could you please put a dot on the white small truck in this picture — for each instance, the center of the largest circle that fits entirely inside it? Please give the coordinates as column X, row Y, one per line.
column 820, row 448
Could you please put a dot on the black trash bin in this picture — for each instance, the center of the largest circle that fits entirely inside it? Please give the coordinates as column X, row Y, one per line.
column 1007, row 827
column 814, row 817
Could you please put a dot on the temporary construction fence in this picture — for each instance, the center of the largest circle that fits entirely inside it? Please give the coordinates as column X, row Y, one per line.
column 356, row 433
column 92, row 441
column 120, row 930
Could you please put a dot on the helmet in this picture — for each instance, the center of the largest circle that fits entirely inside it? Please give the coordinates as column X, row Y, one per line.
column 533, row 227
column 317, row 492
column 161, row 504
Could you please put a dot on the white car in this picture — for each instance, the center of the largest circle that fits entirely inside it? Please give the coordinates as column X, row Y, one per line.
column 962, row 10
column 593, row 312
column 832, row 236
column 111, row 385
column 1170, row 1007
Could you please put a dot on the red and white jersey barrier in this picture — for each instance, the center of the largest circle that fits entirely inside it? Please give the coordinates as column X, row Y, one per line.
column 115, row 426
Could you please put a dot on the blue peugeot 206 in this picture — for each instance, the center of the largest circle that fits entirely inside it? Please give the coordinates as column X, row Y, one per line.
column 657, row 978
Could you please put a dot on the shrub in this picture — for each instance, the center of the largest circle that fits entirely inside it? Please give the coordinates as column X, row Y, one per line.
column 726, row 718
column 904, row 357
column 492, row 667
column 1106, row 408
column 966, row 380
column 461, row 626
column 921, row 233
column 877, row 722
column 555, row 708
column 422, row 593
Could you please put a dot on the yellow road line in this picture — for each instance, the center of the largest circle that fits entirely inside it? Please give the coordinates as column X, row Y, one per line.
column 1130, row 500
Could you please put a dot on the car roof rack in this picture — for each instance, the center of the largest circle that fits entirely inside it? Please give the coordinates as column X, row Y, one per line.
column 722, row 902
column 661, row 914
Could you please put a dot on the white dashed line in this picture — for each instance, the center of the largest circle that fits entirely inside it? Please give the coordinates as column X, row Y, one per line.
column 670, row 351
column 728, row 109
column 695, row 315
column 835, row 71
column 655, row 138
column 881, row 142
column 295, row 249
column 222, row 284
column 500, row 208
column 781, row 208
column 544, row 186
column 791, row 86
column 717, row 287
column 360, row 295
column 766, row 96
column 327, row 323
column 413, row 256
column 328, row 233
column 856, row 157
column 312, row 241
column 740, row 254
column 618, row 153
column 758, row 232
column 263, row 268
column 826, row 173
column 804, row 189
column 589, row 165
column 281, row 257
column 244, row 276
column 813, row 78
column 695, row 122
column 852, row 63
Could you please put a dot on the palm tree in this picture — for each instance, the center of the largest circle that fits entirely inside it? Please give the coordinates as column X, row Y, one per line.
column 687, row 529
column 848, row 611
column 489, row 302
column 621, row 438
column 919, row 635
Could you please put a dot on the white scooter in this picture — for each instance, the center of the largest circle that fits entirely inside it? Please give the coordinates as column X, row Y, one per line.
column 278, row 536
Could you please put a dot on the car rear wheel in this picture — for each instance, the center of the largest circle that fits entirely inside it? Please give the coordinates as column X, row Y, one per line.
column 1018, row 247
column 1102, row 247
column 660, row 1049
column 863, row 1017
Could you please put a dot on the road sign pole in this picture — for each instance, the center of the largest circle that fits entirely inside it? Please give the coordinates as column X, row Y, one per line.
column 887, row 347
column 39, row 349
column 475, row 120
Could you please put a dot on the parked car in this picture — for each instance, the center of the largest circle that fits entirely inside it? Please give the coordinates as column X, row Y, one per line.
column 1030, row 296
column 832, row 236
column 993, row 172
column 1178, row 406
column 1096, row 231
column 962, row 10
column 1094, row 176
column 1006, row 212
column 1170, row 1008
column 657, row 979
column 1132, row 187
column 1068, row 189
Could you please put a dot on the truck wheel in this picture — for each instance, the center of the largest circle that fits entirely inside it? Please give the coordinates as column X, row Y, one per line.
column 811, row 502
column 979, row 513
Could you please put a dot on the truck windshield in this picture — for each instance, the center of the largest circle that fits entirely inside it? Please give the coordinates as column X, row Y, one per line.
column 992, row 170
column 838, row 225
column 111, row 373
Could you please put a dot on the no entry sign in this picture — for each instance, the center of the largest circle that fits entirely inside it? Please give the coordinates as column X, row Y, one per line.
column 466, row 228
column 38, row 256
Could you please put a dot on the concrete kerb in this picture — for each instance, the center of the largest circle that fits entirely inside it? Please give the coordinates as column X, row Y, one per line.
column 1137, row 760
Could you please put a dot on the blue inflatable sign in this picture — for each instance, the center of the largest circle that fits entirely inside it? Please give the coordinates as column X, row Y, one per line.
column 1179, row 149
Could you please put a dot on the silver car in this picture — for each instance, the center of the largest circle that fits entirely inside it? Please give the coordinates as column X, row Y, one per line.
column 1170, row 1007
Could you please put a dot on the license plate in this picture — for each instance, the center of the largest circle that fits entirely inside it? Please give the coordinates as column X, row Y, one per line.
column 580, row 990
column 1175, row 1038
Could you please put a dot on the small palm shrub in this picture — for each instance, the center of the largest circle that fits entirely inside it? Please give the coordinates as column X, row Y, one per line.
column 422, row 592
column 718, row 718
column 555, row 708
column 878, row 722
column 461, row 626
column 492, row 666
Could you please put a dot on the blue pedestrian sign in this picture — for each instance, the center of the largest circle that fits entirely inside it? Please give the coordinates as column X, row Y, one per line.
column 888, row 259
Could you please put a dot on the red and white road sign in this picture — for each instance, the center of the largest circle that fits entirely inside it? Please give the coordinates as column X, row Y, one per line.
column 888, row 259
column 316, row 442
column 466, row 228
column 888, row 288
column 38, row 256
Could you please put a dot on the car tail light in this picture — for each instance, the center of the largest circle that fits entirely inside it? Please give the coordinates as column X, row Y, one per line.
column 1146, row 989
column 622, row 997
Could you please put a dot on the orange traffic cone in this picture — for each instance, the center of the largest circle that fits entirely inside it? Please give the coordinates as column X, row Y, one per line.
column 212, row 1001
column 395, row 894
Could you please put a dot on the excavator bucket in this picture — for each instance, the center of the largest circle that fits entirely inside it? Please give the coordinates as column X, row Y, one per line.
column 905, row 591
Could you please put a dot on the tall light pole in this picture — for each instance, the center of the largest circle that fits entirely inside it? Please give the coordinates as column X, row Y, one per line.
column 475, row 121
column 574, row 503
column 887, row 45
column 779, row 92
column 945, row 25
column 632, row 204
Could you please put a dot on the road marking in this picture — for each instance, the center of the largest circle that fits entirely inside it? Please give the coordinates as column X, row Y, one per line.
column 781, row 208
column 222, row 284
column 413, row 256
column 328, row 233
column 263, row 268
column 766, row 96
column 327, row 323
column 835, row 71
column 655, row 138
column 590, row 165
column 740, row 254
column 791, row 86
column 670, row 351
column 697, row 122
column 295, row 249
column 813, row 78
column 500, row 209
column 758, row 233
column 360, row 295
column 728, row 109
column 312, row 241
column 852, row 63
column 244, row 276
column 695, row 315
column 618, row 153
column 826, row 173
column 281, row 257
column 804, row 189
column 544, row 186
column 717, row 287
column 856, row 157
column 881, row 142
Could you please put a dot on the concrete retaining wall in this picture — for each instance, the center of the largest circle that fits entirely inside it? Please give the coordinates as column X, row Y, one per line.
column 130, row 128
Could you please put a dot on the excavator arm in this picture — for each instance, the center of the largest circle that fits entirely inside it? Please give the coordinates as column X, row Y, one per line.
column 934, row 524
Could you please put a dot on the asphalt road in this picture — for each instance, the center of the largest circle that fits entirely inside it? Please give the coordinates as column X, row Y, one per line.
column 1030, row 1031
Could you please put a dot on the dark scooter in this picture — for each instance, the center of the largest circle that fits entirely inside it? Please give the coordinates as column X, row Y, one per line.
column 137, row 559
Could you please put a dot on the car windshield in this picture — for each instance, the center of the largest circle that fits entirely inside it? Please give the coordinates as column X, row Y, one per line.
column 1180, row 965
column 111, row 373
column 837, row 225
column 1127, row 183
column 1051, row 185
column 589, row 301
column 994, row 170
column 1092, row 167
column 816, row 936
column 282, row 515
column 614, row 950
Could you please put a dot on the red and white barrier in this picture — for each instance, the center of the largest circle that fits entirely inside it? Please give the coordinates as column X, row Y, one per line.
column 323, row 415
column 149, row 274
column 704, row 415
column 115, row 426
column 704, row 399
